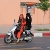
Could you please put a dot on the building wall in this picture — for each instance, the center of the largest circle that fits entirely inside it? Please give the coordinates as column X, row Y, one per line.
column 10, row 10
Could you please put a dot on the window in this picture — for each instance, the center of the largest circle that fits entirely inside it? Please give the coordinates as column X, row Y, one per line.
column 28, row 9
column 23, row 4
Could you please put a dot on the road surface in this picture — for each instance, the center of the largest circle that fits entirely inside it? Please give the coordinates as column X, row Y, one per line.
column 38, row 43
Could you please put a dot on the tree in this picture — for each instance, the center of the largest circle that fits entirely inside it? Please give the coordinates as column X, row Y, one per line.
column 43, row 5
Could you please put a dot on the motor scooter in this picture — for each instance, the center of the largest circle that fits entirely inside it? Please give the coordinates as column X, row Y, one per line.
column 12, row 35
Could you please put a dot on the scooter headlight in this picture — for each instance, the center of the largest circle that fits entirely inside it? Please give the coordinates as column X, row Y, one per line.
column 9, row 31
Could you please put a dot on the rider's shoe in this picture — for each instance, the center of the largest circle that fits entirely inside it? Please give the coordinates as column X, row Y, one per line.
column 18, row 40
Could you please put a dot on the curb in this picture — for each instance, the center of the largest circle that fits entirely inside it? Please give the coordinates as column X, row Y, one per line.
column 34, row 34
column 2, row 35
column 41, row 34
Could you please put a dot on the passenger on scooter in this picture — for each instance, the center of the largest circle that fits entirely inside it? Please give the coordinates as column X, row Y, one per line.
column 28, row 21
column 23, row 23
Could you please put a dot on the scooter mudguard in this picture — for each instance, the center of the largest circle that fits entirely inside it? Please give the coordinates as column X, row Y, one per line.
column 9, row 34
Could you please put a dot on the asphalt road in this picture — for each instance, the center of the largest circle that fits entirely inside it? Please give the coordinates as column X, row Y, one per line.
column 38, row 43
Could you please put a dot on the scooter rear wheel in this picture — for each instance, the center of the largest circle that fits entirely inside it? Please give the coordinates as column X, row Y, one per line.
column 28, row 40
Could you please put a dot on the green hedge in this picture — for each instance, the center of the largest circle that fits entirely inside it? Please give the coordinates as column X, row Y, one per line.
column 44, row 29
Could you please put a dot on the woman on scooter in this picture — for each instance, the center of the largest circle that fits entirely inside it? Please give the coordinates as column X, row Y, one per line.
column 23, row 23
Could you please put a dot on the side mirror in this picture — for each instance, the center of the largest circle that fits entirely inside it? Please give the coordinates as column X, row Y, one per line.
column 14, row 20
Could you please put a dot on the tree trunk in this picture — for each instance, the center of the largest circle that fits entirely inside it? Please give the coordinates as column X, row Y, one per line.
column 43, row 20
column 43, row 17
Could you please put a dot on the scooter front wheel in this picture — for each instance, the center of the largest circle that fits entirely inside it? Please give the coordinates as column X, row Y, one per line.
column 7, row 39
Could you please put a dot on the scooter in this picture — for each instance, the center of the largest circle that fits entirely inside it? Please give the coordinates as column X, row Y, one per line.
column 11, row 35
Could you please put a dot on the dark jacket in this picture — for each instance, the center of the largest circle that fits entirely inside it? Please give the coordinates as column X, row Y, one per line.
column 28, row 21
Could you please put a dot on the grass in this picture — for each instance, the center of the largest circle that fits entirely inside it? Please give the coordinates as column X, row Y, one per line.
column 44, row 29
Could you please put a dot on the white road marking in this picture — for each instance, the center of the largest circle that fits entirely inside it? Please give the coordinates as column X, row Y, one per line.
column 9, row 49
column 48, row 47
column 17, row 44
column 30, row 48
column 1, row 44
column 38, row 42
column 4, row 46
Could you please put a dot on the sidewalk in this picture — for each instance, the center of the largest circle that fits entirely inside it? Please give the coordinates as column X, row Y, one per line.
column 40, row 26
column 4, row 29
column 40, row 33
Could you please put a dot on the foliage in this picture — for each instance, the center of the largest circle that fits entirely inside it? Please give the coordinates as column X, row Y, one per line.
column 44, row 0
column 44, row 5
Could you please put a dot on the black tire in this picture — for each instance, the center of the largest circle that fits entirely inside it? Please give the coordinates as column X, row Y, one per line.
column 28, row 40
column 6, row 40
